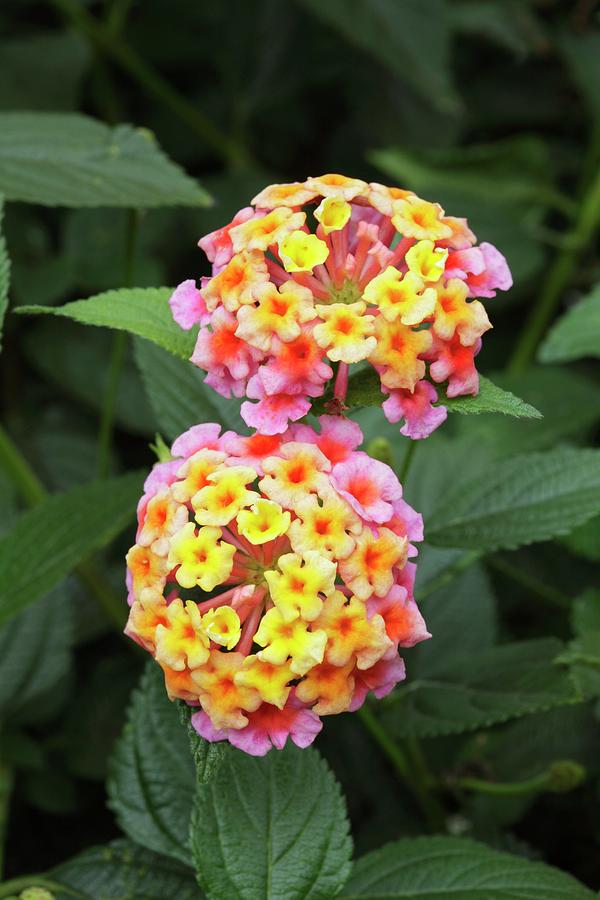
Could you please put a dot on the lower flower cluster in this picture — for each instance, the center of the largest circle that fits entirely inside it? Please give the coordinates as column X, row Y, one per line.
column 271, row 581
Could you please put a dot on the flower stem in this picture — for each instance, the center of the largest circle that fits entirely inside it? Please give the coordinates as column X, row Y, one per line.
column 33, row 493
column 559, row 276
column 104, row 38
column 411, row 775
column 117, row 356
column 561, row 776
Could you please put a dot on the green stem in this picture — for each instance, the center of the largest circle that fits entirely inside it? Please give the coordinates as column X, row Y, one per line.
column 33, row 493
column 449, row 574
column 411, row 776
column 504, row 789
column 117, row 357
column 529, row 582
column 558, row 277
column 406, row 462
column 6, row 786
column 113, row 46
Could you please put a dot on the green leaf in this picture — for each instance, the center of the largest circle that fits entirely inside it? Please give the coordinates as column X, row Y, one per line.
column 35, row 655
column 4, row 273
column 364, row 389
column 569, row 403
column 62, row 159
column 144, row 312
column 152, row 777
column 271, row 827
column 437, row 868
column 50, row 540
column 411, row 39
column 521, row 500
column 207, row 756
column 178, row 395
column 491, row 398
column 576, row 334
column 481, row 689
column 122, row 870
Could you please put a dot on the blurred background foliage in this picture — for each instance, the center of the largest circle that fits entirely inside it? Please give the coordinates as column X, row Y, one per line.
column 489, row 106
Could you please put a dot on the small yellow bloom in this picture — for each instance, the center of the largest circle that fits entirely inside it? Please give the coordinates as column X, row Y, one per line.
column 264, row 231
column 264, row 521
column 333, row 213
column 280, row 313
column 350, row 635
column 335, row 185
column 195, row 472
column 324, row 526
column 296, row 588
column 222, row 699
column 182, row 643
column 400, row 296
column 282, row 639
column 397, row 351
column 369, row 568
column 293, row 194
column 301, row 252
column 331, row 686
column 298, row 471
column 234, row 286
column 202, row 559
column 426, row 260
column 345, row 332
column 271, row 681
column 222, row 625
column 224, row 495
column 417, row 218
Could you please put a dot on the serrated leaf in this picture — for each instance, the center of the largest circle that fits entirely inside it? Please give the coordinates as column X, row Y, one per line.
column 585, row 540
column 151, row 773
column 364, row 389
column 491, row 398
column 4, row 273
column 481, row 689
column 144, row 312
column 529, row 498
column 178, row 395
column 271, row 827
column 50, row 540
column 576, row 334
column 35, row 655
column 568, row 401
column 583, row 652
column 64, row 159
column 437, row 868
column 412, row 40
column 121, row 870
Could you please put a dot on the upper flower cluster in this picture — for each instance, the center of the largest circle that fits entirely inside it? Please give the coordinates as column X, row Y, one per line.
column 337, row 271
column 306, row 542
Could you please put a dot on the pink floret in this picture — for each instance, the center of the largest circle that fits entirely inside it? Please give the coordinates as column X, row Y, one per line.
column 187, row 306
column 369, row 486
column 198, row 437
column 420, row 417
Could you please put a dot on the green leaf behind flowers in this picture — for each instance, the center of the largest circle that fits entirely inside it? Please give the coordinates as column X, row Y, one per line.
column 64, row 159
column 528, row 498
column 4, row 272
column 576, row 334
column 144, row 312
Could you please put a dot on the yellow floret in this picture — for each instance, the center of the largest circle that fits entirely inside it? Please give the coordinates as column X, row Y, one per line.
column 202, row 558
column 301, row 252
column 264, row 521
column 222, row 625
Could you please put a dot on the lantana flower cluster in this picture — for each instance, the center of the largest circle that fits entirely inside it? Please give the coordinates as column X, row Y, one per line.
column 319, row 275
column 271, row 579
